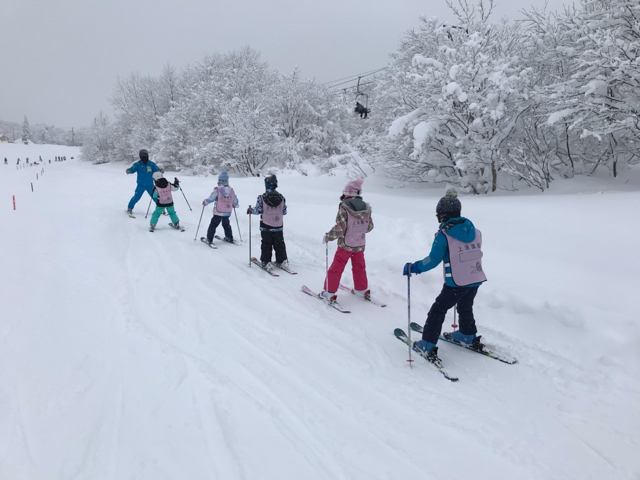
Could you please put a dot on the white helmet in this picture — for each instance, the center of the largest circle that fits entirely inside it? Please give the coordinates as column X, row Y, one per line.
column 157, row 176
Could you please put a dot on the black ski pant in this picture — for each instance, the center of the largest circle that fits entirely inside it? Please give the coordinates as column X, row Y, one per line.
column 273, row 240
column 215, row 221
column 451, row 296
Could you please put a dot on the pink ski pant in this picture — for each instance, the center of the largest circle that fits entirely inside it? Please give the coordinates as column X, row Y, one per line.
column 358, row 267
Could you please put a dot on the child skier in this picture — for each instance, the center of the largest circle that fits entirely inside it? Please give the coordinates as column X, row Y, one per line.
column 161, row 193
column 271, row 206
column 225, row 201
column 459, row 245
column 145, row 169
column 353, row 222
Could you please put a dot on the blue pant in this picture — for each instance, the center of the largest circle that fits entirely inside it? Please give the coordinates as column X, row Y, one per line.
column 450, row 296
column 215, row 221
column 140, row 189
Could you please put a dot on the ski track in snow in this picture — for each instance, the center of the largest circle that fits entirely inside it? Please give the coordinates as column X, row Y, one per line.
column 130, row 354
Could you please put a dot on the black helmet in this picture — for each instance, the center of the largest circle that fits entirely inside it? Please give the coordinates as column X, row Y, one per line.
column 449, row 206
column 271, row 182
column 144, row 155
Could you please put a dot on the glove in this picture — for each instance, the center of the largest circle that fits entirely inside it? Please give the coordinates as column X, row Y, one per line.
column 411, row 268
column 325, row 239
column 249, row 210
column 176, row 181
column 203, row 203
column 128, row 171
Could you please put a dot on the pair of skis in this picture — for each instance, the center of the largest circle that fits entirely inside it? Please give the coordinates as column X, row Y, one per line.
column 433, row 358
column 175, row 227
column 476, row 346
column 335, row 304
column 368, row 299
column 270, row 267
column 211, row 245
column 218, row 237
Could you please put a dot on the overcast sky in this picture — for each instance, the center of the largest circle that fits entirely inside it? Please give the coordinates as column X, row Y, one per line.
column 59, row 59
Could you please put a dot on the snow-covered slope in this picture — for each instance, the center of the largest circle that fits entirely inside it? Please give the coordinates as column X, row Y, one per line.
column 129, row 354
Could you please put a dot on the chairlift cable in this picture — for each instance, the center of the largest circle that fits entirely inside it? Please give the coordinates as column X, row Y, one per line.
column 352, row 86
column 354, row 77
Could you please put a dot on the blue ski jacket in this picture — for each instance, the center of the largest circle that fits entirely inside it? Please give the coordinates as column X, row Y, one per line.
column 459, row 228
column 145, row 172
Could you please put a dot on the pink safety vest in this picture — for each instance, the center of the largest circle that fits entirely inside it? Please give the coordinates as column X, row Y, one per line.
column 465, row 260
column 224, row 203
column 272, row 216
column 356, row 233
column 164, row 195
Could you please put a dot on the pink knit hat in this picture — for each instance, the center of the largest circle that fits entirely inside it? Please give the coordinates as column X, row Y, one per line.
column 354, row 187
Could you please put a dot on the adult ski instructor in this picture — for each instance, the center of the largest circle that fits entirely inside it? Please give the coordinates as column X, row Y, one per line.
column 458, row 244
column 145, row 169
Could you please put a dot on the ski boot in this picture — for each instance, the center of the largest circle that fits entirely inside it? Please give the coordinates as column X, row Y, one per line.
column 366, row 294
column 329, row 297
column 427, row 349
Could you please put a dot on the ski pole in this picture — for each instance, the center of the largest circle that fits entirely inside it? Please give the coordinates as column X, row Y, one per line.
column 249, row 239
column 237, row 223
column 409, row 314
column 455, row 314
column 326, row 278
column 148, row 207
column 196, row 237
column 185, row 199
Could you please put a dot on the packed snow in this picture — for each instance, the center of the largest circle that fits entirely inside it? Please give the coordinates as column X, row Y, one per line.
column 130, row 354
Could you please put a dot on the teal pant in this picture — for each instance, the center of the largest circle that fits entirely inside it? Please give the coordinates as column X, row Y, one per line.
column 158, row 211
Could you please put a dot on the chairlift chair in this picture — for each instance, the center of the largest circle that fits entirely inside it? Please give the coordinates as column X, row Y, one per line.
column 361, row 108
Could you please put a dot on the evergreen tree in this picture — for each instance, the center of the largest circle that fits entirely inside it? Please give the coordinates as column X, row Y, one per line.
column 26, row 131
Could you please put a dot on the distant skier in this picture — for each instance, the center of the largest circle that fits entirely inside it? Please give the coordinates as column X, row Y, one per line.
column 225, row 200
column 161, row 193
column 272, row 206
column 458, row 244
column 353, row 222
column 5, row 161
column 18, row 162
column 145, row 169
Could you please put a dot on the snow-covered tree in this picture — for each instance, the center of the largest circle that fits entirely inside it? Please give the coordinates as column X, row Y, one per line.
column 305, row 116
column 460, row 89
column 600, row 99
column 467, row 102
column 98, row 142
column 26, row 131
